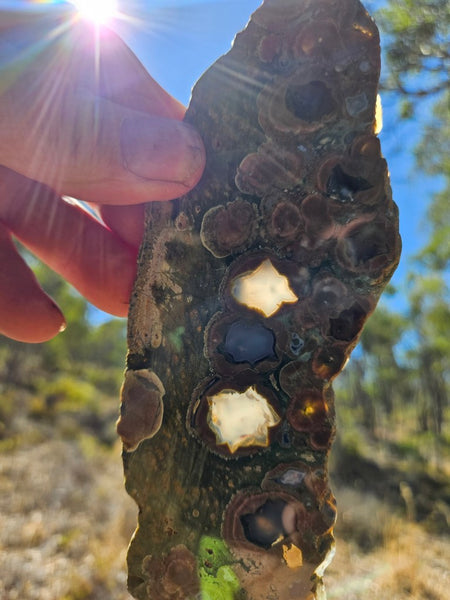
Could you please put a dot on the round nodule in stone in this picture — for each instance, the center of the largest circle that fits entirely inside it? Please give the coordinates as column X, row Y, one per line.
column 343, row 186
column 248, row 342
column 285, row 221
column 311, row 101
column 328, row 362
column 229, row 229
column 348, row 324
column 141, row 408
column 265, row 526
column 234, row 419
column 308, row 411
column 237, row 344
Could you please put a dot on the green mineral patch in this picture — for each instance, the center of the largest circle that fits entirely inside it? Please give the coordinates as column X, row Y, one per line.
column 217, row 578
column 175, row 338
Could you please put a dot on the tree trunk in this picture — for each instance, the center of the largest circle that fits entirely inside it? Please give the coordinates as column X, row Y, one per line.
column 434, row 385
column 252, row 291
column 365, row 400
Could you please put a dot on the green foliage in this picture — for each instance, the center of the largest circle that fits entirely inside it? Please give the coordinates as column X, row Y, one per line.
column 67, row 393
column 433, row 156
column 401, row 373
column 382, row 332
column 417, row 48
column 69, row 386
column 433, row 151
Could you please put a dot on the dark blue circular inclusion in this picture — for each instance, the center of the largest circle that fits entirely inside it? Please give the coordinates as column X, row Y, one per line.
column 249, row 342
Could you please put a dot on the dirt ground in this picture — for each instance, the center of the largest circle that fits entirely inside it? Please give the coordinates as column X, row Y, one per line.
column 65, row 522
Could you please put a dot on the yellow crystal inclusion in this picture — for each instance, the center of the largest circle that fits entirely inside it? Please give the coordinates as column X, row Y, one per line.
column 293, row 556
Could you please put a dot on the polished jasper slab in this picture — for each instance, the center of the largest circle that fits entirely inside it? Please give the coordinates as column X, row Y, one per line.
column 251, row 293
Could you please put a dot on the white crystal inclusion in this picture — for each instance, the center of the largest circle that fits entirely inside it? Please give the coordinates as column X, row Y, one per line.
column 263, row 289
column 241, row 419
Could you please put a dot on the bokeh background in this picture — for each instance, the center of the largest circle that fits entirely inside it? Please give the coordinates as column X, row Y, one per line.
column 65, row 519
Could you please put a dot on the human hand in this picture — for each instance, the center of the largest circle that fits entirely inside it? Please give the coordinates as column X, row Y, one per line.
column 80, row 117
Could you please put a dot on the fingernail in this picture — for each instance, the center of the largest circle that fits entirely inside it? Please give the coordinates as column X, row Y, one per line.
column 161, row 149
column 63, row 323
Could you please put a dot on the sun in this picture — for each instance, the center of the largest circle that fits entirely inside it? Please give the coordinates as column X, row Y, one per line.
column 97, row 11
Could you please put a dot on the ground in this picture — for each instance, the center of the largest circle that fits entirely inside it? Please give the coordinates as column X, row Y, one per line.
column 66, row 522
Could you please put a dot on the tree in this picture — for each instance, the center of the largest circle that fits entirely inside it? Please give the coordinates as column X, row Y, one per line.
column 417, row 48
column 433, row 157
column 418, row 59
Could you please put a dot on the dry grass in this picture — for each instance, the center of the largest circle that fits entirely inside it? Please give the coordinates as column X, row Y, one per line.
column 66, row 522
column 404, row 562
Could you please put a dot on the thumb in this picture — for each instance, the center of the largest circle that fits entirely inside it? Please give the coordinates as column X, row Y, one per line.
column 94, row 149
column 100, row 129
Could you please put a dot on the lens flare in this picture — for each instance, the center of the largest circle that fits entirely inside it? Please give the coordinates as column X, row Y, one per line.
column 97, row 11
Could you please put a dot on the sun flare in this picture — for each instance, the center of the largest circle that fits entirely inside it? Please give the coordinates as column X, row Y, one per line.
column 98, row 11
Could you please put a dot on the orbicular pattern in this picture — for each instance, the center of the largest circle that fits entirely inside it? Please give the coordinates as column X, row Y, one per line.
column 251, row 293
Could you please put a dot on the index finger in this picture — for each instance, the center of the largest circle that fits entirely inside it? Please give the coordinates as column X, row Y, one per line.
column 111, row 70
column 85, row 118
